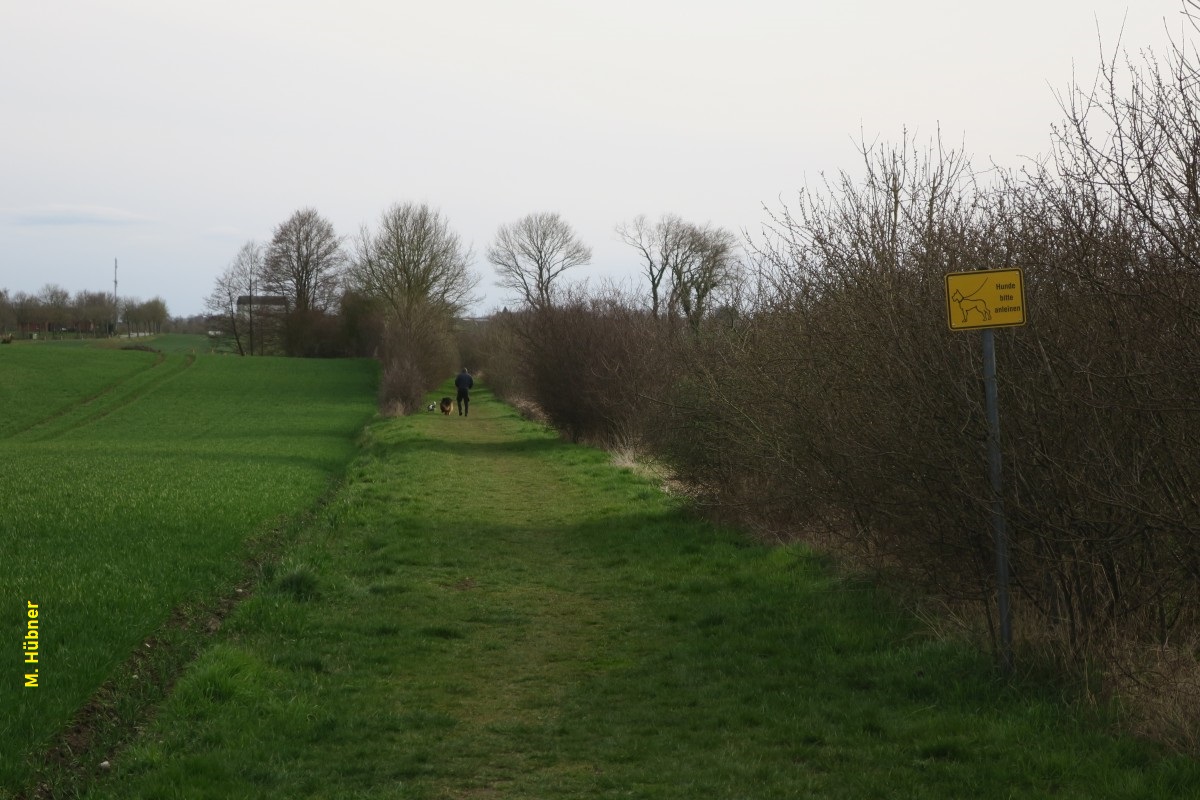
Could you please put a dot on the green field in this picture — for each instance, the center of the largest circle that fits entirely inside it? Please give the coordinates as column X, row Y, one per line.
column 132, row 485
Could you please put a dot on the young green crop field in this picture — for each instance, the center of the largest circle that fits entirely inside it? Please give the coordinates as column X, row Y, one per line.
column 134, row 485
column 482, row 610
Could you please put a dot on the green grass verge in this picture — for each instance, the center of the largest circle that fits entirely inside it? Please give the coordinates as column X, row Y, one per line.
column 485, row 611
column 143, row 496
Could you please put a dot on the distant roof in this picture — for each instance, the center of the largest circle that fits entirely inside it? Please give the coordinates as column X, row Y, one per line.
column 262, row 300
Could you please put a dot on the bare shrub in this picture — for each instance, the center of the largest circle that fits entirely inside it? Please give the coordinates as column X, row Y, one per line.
column 598, row 367
column 1158, row 687
column 843, row 404
column 471, row 337
column 491, row 347
column 417, row 353
column 1102, row 496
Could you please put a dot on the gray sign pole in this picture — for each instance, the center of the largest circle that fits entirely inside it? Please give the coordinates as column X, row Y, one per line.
column 999, row 534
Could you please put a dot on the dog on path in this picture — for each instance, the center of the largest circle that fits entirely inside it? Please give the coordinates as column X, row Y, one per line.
column 447, row 405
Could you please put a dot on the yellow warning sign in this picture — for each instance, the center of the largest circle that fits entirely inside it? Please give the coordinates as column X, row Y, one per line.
column 992, row 298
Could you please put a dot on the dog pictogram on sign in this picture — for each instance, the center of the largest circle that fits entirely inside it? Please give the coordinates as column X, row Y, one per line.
column 993, row 298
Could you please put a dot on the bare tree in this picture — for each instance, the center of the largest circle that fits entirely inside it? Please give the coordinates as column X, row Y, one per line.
column 709, row 263
column 29, row 311
column 661, row 246
column 1148, row 161
column 413, row 259
column 1191, row 13
column 155, row 314
column 56, row 301
column 686, row 264
column 413, row 275
column 224, row 315
column 93, row 311
column 232, row 301
column 303, row 265
column 144, row 317
column 247, row 274
column 531, row 253
column 304, row 261
column 8, row 312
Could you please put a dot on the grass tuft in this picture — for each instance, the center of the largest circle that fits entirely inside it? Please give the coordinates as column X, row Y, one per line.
column 300, row 583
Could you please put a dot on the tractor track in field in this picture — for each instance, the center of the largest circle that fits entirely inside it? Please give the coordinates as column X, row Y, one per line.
column 111, row 398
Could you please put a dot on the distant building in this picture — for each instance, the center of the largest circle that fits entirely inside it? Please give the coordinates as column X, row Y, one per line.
column 260, row 300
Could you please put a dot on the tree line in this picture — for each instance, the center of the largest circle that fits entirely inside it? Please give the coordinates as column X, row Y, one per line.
column 55, row 311
column 392, row 292
column 399, row 289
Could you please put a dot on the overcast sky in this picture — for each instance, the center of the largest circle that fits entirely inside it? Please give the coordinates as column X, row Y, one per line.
column 166, row 134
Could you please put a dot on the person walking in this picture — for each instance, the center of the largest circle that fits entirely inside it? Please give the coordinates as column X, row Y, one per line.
column 463, row 383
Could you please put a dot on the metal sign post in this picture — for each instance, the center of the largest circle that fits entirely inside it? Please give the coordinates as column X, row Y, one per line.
column 985, row 300
column 999, row 528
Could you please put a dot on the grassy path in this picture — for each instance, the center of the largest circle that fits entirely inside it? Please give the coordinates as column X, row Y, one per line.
column 485, row 612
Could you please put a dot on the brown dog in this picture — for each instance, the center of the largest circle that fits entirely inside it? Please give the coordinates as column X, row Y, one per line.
column 447, row 405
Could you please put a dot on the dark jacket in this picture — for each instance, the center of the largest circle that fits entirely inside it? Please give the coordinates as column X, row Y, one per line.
column 464, row 381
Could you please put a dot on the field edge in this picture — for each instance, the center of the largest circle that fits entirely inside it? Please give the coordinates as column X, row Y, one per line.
column 119, row 710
